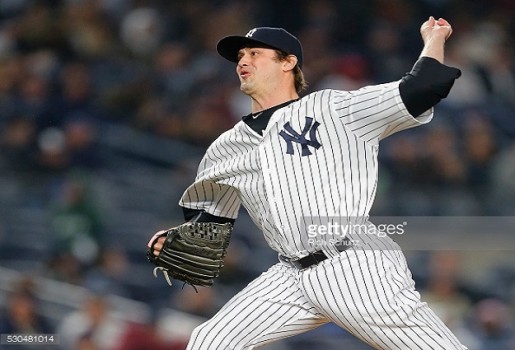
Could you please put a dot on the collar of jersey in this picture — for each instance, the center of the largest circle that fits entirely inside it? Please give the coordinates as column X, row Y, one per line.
column 259, row 120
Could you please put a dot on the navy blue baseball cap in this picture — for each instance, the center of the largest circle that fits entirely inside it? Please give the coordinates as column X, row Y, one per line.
column 275, row 38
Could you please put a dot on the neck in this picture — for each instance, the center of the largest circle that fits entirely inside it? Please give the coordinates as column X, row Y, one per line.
column 260, row 103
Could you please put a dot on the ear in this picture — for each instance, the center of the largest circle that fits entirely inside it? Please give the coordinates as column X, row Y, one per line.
column 289, row 63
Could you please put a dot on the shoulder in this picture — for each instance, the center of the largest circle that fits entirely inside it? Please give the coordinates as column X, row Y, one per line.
column 235, row 129
column 323, row 93
column 222, row 138
column 324, row 98
column 327, row 95
column 229, row 138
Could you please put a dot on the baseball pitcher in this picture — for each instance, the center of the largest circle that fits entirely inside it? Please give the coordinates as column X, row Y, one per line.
column 301, row 166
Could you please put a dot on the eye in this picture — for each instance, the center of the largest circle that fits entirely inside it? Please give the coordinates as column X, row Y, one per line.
column 248, row 52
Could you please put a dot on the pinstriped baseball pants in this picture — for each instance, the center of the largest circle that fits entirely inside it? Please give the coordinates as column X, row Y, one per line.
column 367, row 291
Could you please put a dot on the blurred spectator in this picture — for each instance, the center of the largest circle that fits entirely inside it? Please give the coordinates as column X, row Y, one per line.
column 206, row 120
column 235, row 273
column 72, row 146
column 87, row 30
column 443, row 289
column 17, row 144
column 75, row 96
column 141, row 31
column 22, row 314
column 110, row 274
column 442, row 157
column 77, row 223
column 146, row 336
column 12, row 72
column 93, row 326
column 350, row 72
column 384, row 43
column 428, row 173
column 64, row 266
column 502, row 191
column 202, row 302
column 174, row 79
column 33, row 98
column 86, row 342
column 37, row 28
column 492, row 325
column 80, row 141
column 480, row 149
column 318, row 54
column 468, row 91
column 52, row 156
column 487, row 49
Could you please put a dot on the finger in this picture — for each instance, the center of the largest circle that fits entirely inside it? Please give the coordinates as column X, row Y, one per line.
column 449, row 34
column 153, row 238
column 442, row 22
column 158, row 246
column 427, row 24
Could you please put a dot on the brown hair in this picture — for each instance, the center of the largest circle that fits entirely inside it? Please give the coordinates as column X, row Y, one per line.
column 300, row 82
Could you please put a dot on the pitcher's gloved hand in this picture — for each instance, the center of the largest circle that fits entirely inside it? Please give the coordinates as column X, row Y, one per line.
column 192, row 252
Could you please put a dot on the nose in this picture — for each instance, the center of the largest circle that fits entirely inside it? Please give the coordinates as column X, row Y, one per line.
column 242, row 62
column 241, row 65
column 242, row 59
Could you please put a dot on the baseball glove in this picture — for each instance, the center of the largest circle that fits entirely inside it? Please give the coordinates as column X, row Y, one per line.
column 192, row 252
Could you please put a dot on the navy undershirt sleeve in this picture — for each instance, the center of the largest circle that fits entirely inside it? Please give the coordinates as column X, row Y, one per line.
column 202, row 216
column 428, row 82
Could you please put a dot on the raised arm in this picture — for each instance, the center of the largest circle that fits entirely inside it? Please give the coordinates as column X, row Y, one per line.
column 430, row 80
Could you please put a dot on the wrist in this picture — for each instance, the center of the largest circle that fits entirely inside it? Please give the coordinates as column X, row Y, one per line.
column 434, row 48
column 437, row 40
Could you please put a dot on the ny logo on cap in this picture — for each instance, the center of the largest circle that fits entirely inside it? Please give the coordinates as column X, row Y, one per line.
column 290, row 136
column 251, row 33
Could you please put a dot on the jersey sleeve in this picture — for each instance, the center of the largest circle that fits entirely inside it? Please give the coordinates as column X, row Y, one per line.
column 426, row 84
column 375, row 112
column 213, row 198
column 208, row 195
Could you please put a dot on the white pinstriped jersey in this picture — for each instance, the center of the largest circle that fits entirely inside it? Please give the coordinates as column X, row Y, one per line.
column 279, row 186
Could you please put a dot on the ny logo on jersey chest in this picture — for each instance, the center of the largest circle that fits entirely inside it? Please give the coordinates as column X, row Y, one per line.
column 291, row 136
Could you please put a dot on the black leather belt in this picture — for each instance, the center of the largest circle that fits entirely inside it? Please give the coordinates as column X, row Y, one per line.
column 315, row 257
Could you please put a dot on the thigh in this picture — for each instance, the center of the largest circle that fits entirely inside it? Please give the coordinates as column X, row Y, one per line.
column 270, row 308
column 370, row 293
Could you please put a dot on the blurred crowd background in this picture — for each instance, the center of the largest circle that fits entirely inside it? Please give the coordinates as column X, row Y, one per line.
column 106, row 107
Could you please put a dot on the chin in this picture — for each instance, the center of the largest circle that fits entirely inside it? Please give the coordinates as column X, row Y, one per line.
column 245, row 88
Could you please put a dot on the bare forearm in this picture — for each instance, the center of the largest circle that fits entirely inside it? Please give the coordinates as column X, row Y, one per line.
column 434, row 48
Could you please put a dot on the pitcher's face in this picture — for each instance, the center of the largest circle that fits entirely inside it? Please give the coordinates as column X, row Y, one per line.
column 258, row 69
